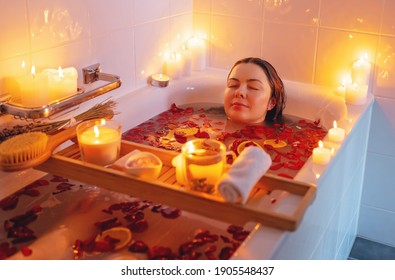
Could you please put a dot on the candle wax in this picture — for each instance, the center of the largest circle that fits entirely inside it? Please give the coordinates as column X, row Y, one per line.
column 336, row 134
column 321, row 155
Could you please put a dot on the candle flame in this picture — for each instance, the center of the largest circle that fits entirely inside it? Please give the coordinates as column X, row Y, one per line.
column 23, row 64
column 60, row 72
column 102, row 121
column 334, row 124
column 96, row 131
column 33, row 71
column 320, row 144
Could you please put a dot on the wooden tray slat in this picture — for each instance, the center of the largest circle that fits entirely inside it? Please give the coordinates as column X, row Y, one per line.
column 165, row 190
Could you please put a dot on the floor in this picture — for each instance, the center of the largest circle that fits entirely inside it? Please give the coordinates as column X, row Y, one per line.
column 364, row 249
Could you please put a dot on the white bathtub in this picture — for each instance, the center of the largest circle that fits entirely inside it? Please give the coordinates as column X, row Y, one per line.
column 329, row 226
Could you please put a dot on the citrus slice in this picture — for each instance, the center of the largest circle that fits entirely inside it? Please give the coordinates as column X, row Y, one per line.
column 123, row 234
column 275, row 143
column 186, row 131
column 247, row 143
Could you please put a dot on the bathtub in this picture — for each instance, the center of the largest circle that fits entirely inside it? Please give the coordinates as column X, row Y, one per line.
column 329, row 227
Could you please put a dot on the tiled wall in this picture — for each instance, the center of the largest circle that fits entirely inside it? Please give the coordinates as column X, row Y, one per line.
column 306, row 40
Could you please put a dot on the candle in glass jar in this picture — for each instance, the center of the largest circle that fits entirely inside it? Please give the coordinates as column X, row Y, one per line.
column 336, row 134
column 99, row 141
column 321, row 155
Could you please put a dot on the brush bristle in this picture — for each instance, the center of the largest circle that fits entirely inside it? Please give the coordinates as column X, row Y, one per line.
column 23, row 147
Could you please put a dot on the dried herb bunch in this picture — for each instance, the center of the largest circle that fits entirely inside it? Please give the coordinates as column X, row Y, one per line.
column 103, row 109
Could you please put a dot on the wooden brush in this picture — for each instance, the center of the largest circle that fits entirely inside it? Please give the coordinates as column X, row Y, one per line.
column 31, row 149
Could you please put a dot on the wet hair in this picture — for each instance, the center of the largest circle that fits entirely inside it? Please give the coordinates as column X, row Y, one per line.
column 276, row 86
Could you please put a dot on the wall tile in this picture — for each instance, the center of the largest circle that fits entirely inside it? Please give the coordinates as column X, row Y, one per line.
column 252, row 9
column 180, row 31
column 382, row 128
column 377, row 225
column 110, row 16
column 385, row 68
column 337, row 51
column 181, row 6
column 234, row 38
column 388, row 20
column 151, row 42
column 301, row 11
column 282, row 45
column 57, row 22
column 148, row 10
column 379, row 177
column 352, row 14
column 14, row 34
column 202, row 6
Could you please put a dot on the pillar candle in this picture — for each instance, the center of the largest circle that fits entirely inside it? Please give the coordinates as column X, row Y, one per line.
column 198, row 53
column 321, row 155
column 34, row 89
column 61, row 82
column 173, row 65
column 187, row 61
column 356, row 94
column 361, row 71
column 336, row 134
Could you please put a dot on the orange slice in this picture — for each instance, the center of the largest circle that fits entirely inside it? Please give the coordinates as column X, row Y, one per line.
column 244, row 144
column 122, row 233
column 186, row 131
column 275, row 143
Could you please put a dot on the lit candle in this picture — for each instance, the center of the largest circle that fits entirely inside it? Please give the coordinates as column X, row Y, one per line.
column 34, row 89
column 336, row 134
column 159, row 80
column 361, row 71
column 187, row 61
column 99, row 141
column 61, row 82
column 198, row 53
column 173, row 65
column 356, row 94
column 321, row 155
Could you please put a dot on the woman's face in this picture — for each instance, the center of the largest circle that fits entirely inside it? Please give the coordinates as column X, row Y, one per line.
column 247, row 94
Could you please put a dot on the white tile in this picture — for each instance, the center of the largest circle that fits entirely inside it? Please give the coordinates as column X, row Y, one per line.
column 302, row 11
column 151, row 42
column 14, row 33
column 53, row 23
column 382, row 128
column 148, row 10
column 388, row 20
column 234, row 38
column 251, row 9
column 384, row 85
column 291, row 50
column 352, row 14
column 181, row 6
column 181, row 30
column 202, row 6
column 377, row 225
column 106, row 17
column 379, row 189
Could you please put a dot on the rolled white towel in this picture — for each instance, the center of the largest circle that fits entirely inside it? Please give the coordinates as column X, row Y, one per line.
column 236, row 184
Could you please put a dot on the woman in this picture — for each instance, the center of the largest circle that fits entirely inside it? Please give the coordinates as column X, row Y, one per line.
column 254, row 92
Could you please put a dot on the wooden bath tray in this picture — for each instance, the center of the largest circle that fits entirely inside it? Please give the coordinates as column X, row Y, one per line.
column 165, row 190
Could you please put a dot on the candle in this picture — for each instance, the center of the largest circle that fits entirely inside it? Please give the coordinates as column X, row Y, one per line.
column 355, row 94
column 99, row 141
column 173, row 65
column 61, row 82
column 198, row 53
column 361, row 71
column 321, row 155
column 34, row 89
column 336, row 134
column 187, row 61
column 159, row 80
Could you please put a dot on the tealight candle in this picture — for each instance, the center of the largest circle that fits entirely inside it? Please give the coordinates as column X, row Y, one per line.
column 99, row 141
column 159, row 80
column 321, row 155
column 336, row 134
